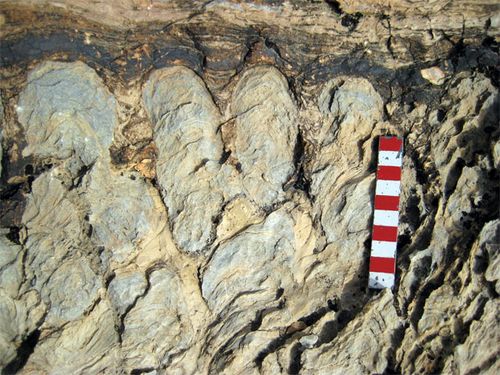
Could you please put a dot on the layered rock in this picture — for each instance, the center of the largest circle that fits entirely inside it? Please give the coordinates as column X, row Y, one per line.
column 65, row 111
column 243, row 246
column 265, row 134
column 185, row 122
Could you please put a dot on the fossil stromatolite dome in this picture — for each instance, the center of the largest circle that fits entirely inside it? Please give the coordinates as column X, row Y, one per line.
column 187, row 187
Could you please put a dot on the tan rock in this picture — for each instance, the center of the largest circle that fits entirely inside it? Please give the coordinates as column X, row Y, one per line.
column 185, row 122
column 148, row 340
column 434, row 75
column 238, row 215
column 134, row 220
column 360, row 348
column 266, row 133
column 89, row 344
column 478, row 352
column 229, row 231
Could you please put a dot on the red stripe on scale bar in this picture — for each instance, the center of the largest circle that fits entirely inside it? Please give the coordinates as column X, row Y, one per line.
column 384, row 265
column 383, row 233
column 387, row 202
column 390, row 144
column 388, row 173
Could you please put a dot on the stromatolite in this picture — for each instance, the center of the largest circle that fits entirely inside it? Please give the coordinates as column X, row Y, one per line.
column 188, row 188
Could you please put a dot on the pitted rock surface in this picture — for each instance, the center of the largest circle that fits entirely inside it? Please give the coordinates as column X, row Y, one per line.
column 187, row 187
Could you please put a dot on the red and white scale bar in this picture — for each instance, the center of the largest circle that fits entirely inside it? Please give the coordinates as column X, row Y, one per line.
column 386, row 213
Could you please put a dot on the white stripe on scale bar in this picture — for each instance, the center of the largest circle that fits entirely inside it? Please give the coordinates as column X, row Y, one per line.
column 386, row 187
column 384, row 249
column 379, row 280
column 387, row 218
column 390, row 158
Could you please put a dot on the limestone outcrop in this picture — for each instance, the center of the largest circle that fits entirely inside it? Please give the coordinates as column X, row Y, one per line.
column 188, row 188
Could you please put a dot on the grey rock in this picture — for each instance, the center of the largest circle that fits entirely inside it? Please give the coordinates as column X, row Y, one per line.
column 20, row 311
column 1, row 134
column 88, row 345
column 266, row 132
column 123, row 213
column 309, row 341
column 12, row 317
column 245, row 279
column 70, row 291
column 158, row 326
column 434, row 75
column 49, row 210
column 11, row 265
column 125, row 288
column 364, row 345
column 477, row 352
column 448, row 144
column 19, row 317
column 185, row 127
column 65, row 109
column 466, row 195
column 54, row 264
column 351, row 107
column 283, row 270
column 450, row 307
column 239, row 274
column 496, row 155
column 433, row 316
column 346, row 216
column 489, row 243
column 185, row 122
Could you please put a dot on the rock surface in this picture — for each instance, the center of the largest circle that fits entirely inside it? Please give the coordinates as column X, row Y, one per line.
column 1, row 138
column 434, row 75
column 265, row 133
column 185, row 122
column 376, row 329
column 187, row 188
column 66, row 112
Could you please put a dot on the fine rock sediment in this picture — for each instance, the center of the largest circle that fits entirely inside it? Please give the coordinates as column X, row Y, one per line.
column 188, row 188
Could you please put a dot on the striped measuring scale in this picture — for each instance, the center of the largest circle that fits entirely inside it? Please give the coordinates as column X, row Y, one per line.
column 386, row 213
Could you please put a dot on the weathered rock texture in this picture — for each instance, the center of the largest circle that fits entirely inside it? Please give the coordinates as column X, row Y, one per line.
column 187, row 187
